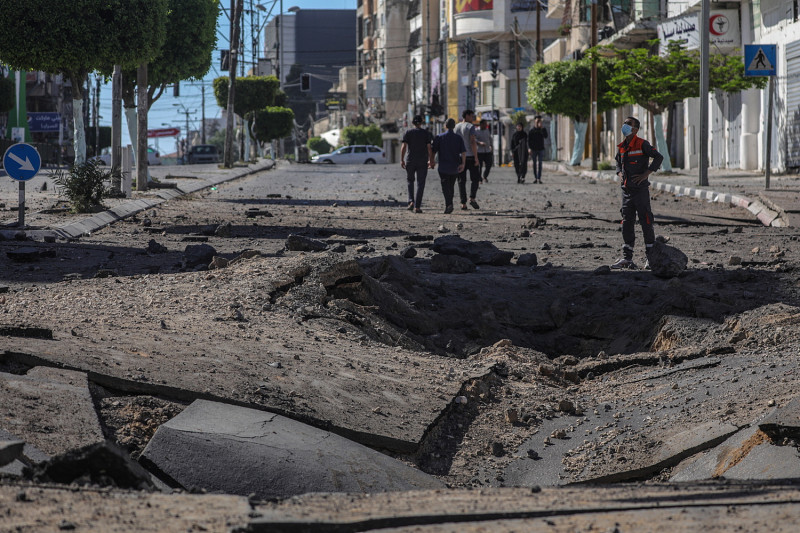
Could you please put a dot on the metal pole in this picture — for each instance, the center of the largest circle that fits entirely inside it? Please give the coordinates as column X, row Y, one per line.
column 141, row 134
column 203, row 114
column 593, row 90
column 704, row 82
column 516, row 60
column 539, row 58
column 21, row 217
column 768, row 155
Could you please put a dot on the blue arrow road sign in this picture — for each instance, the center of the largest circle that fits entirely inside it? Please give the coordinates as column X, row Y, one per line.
column 22, row 161
column 760, row 59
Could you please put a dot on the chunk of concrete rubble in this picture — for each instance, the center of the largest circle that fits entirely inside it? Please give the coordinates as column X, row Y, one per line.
column 748, row 454
column 49, row 408
column 236, row 450
column 666, row 261
column 29, row 455
column 451, row 264
column 479, row 252
column 10, row 450
column 102, row 464
column 299, row 243
column 198, row 254
column 783, row 421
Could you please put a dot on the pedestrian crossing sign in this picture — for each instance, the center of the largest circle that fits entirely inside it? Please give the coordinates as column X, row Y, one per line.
column 760, row 60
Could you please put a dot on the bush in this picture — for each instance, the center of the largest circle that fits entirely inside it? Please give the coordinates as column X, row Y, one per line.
column 319, row 145
column 83, row 185
column 519, row 117
column 604, row 165
column 362, row 135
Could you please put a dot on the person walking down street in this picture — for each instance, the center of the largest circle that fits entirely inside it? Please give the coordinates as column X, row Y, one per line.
column 452, row 157
column 634, row 168
column 485, row 156
column 416, row 156
column 519, row 149
column 466, row 129
column 536, row 136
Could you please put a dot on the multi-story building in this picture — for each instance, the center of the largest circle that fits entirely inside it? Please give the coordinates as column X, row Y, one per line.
column 481, row 32
column 425, row 58
column 384, row 76
column 317, row 42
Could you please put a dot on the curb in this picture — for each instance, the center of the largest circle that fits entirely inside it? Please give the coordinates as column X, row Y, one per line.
column 768, row 215
column 129, row 208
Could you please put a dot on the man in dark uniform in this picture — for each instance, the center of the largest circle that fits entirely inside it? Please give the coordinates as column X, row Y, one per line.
column 633, row 168
column 416, row 156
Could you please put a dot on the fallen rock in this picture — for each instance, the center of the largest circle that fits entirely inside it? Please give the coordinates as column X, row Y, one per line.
column 408, row 252
column 224, row 230
column 451, row 264
column 666, row 261
column 198, row 254
column 100, row 464
column 218, row 262
column 300, row 243
column 220, row 447
column 480, row 252
column 529, row 260
column 10, row 450
column 154, row 247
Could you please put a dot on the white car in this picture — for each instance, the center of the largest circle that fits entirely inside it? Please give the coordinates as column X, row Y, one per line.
column 354, row 155
column 153, row 157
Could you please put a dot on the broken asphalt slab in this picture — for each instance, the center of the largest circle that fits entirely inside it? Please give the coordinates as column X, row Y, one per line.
column 225, row 448
column 380, row 396
column 49, row 408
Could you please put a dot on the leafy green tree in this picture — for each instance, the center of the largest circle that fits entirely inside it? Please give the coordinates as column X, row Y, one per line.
column 362, row 135
column 563, row 88
column 641, row 76
column 271, row 123
column 252, row 93
column 185, row 55
column 319, row 145
column 76, row 37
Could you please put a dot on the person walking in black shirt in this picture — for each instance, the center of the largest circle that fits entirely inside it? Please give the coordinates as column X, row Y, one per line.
column 452, row 159
column 536, row 137
column 416, row 156
column 519, row 149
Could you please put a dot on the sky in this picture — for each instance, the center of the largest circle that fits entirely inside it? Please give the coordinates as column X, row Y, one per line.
column 171, row 110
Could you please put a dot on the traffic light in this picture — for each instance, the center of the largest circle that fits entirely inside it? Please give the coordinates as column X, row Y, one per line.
column 305, row 82
column 493, row 67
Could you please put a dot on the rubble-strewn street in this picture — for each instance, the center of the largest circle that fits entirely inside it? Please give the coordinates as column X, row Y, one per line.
column 298, row 330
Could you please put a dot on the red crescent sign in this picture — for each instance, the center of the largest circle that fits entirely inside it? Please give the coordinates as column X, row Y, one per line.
column 718, row 25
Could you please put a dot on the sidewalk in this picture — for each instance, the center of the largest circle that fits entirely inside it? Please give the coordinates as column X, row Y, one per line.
column 175, row 181
column 777, row 206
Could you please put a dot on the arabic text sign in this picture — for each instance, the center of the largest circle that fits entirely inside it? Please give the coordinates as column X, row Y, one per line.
column 723, row 26
column 44, row 122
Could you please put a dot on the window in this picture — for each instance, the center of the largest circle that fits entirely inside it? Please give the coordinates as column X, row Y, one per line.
column 344, row 150
column 374, row 149
column 360, row 149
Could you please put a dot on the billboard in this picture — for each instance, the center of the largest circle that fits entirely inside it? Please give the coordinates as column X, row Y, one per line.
column 723, row 27
column 44, row 122
column 467, row 6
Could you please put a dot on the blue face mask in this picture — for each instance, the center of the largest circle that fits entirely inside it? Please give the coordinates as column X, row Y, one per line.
column 626, row 129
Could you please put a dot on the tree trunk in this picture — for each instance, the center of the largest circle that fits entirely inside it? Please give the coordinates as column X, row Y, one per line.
column 580, row 142
column 661, row 141
column 237, row 12
column 78, row 132
column 141, row 134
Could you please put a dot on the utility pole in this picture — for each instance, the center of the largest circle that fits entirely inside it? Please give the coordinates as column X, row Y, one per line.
column 704, row 51
column 97, row 115
column 516, row 61
column 236, row 11
column 468, row 46
column 593, row 110
column 426, row 76
column 203, row 112
column 414, row 85
column 539, row 58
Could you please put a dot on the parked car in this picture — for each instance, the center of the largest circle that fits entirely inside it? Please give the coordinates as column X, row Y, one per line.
column 353, row 155
column 202, row 153
column 153, row 157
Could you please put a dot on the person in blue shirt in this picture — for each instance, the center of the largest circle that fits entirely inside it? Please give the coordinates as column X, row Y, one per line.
column 452, row 159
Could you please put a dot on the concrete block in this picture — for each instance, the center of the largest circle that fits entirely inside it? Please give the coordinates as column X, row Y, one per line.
column 226, row 448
